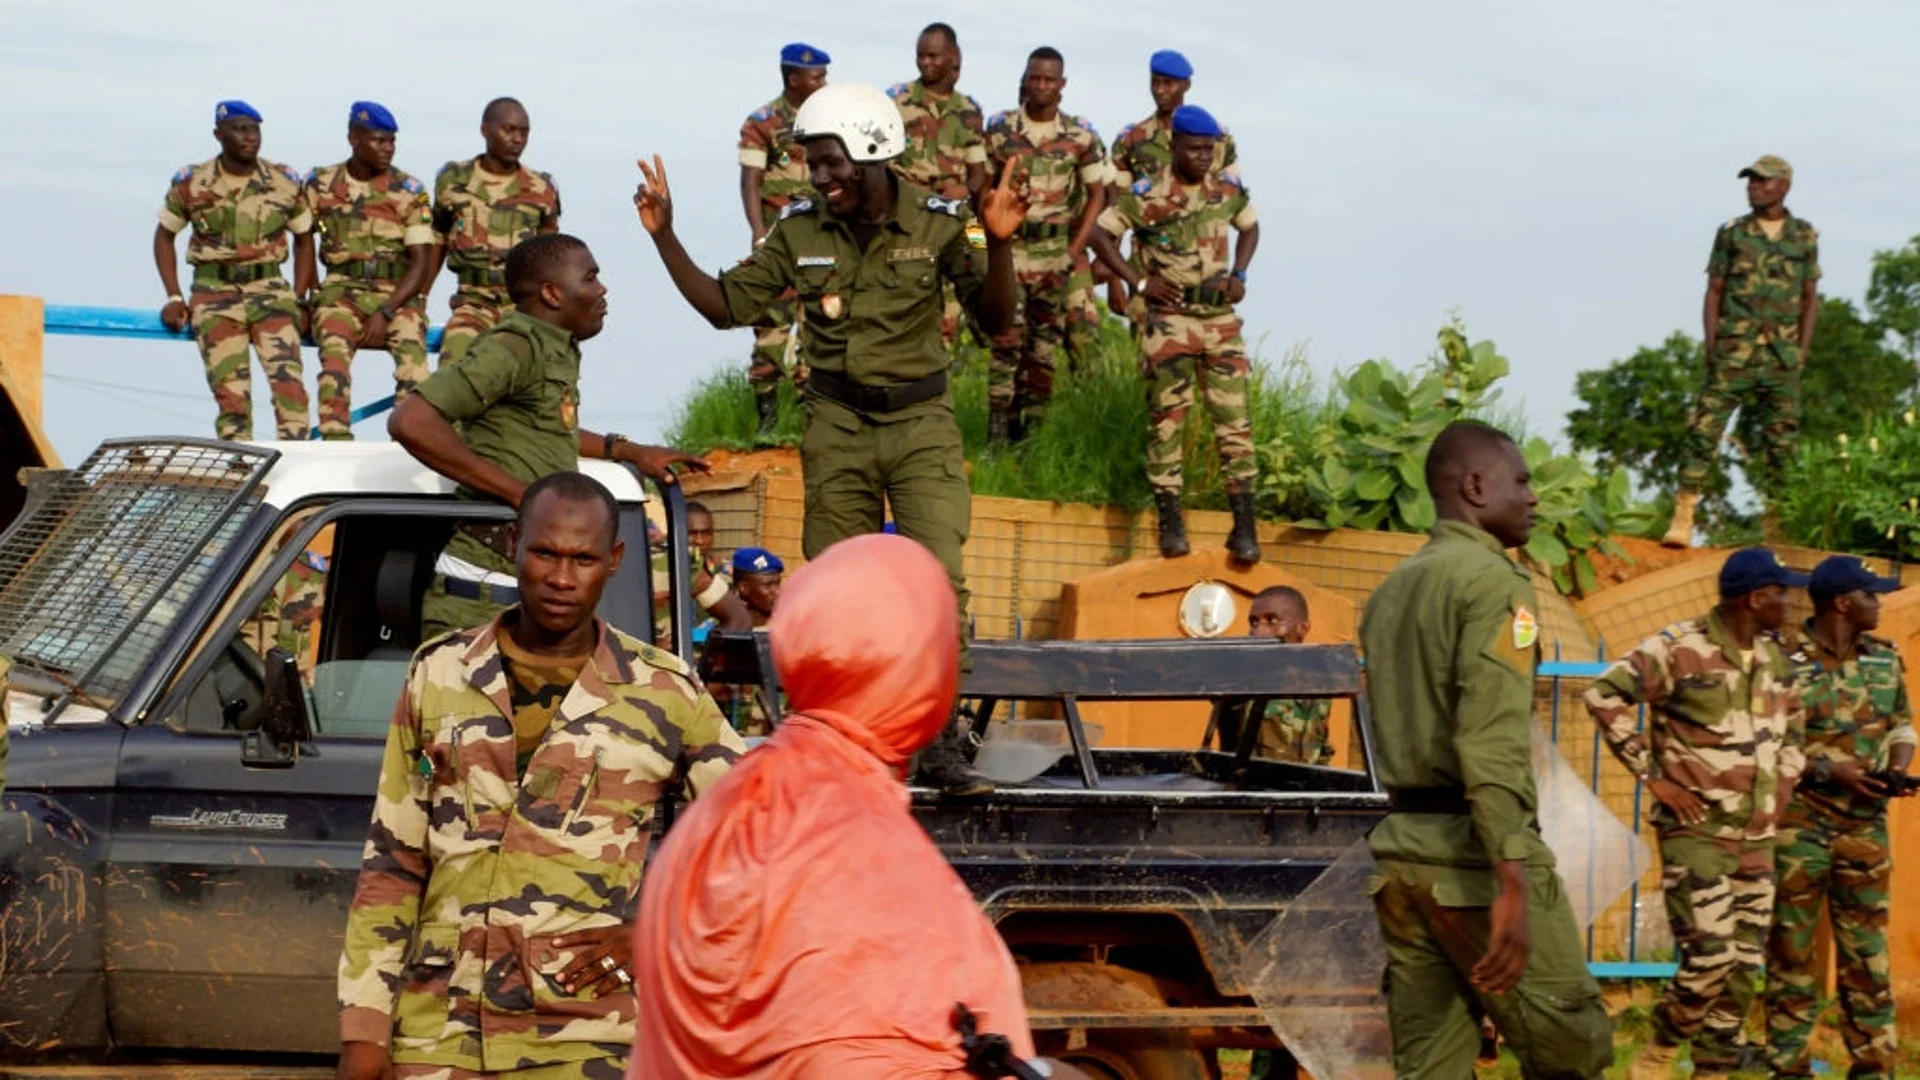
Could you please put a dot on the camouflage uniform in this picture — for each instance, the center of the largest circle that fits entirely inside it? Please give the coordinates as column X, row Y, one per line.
column 472, row 868
column 240, row 226
column 944, row 137
column 1451, row 643
column 366, row 229
column 478, row 217
column 1295, row 729
column 1756, row 359
column 1142, row 151
column 1059, row 161
column 1833, row 848
column 767, row 144
column 710, row 585
column 1180, row 234
column 1732, row 735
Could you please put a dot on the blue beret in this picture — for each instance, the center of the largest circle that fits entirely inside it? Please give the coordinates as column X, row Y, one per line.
column 802, row 55
column 1171, row 64
column 753, row 560
column 371, row 115
column 1752, row 569
column 233, row 109
column 1194, row 120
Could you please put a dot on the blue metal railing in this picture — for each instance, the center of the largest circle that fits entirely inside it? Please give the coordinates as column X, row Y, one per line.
column 79, row 320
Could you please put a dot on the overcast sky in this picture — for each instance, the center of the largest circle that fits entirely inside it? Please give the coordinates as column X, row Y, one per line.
column 1552, row 171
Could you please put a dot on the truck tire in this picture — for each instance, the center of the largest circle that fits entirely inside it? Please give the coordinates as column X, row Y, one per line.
column 1112, row 1054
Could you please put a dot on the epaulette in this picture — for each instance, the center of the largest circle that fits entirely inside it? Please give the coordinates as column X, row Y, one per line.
column 955, row 207
column 1081, row 121
column 642, row 653
column 1143, row 185
column 293, row 177
column 796, row 207
column 998, row 120
column 1126, row 130
column 1231, row 177
column 1877, row 642
column 412, row 186
column 897, row 90
column 451, row 167
column 548, row 177
column 1731, row 222
column 761, row 115
column 185, row 174
column 973, row 102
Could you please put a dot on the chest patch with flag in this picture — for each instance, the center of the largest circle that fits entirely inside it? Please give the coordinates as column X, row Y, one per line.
column 1526, row 628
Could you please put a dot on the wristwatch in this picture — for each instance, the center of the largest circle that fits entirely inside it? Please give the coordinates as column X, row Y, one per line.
column 176, row 298
column 1240, row 276
column 1820, row 771
column 609, row 443
column 387, row 312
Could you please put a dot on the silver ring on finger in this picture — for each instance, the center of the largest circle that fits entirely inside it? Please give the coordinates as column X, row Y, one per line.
column 608, row 963
column 621, row 974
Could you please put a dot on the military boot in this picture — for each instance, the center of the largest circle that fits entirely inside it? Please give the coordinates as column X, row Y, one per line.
column 1173, row 527
column 943, row 764
column 1680, row 533
column 1654, row 1062
column 1243, row 543
column 997, row 429
column 768, row 406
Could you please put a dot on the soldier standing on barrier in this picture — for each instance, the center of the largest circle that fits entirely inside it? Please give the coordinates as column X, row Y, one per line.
column 1720, row 755
column 1473, row 914
column 868, row 259
column 376, row 241
column 241, row 208
column 1763, row 298
column 946, row 141
column 773, row 175
column 1184, row 289
column 1833, row 849
column 482, row 208
column 1062, row 166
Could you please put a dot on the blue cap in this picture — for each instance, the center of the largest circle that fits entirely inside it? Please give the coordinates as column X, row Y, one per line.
column 753, row 560
column 801, row 55
column 1839, row 574
column 234, row 109
column 1194, row 120
column 1171, row 64
column 371, row 115
column 1755, row 568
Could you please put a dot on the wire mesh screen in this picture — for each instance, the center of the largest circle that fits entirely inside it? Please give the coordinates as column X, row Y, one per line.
column 96, row 569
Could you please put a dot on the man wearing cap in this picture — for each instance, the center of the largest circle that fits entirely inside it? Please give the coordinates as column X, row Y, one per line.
column 1833, row 846
column 1063, row 166
column 773, row 174
column 946, row 142
column 1720, row 755
column 241, row 208
column 482, row 207
column 1763, row 297
column 756, row 577
column 1184, row 287
column 376, row 241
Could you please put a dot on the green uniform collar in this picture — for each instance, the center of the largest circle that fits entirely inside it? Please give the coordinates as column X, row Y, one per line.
column 1718, row 633
column 1460, row 530
column 543, row 334
column 909, row 206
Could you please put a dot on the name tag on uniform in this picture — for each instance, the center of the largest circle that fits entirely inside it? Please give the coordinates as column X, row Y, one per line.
column 805, row 261
column 909, row 254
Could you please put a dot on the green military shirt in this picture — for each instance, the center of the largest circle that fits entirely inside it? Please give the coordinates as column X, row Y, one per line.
column 1451, row 642
column 1765, row 279
column 1856, row 710
column 1295, row 729
column 516, row 397
column 873, row 316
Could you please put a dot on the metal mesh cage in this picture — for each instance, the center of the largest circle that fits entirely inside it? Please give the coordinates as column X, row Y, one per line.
column 102, row 558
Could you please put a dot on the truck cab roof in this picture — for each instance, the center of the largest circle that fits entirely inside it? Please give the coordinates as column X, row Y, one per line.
column 306, row 470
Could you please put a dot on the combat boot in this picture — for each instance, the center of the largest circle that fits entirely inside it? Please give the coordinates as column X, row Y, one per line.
column 1680, row 533
column 768, row 406
column 997, row 429
column 1243, row 543
column 1654, row 1062
column 1173, row 527
column 943, row 764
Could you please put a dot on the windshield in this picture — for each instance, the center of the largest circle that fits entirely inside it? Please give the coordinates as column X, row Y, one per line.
column 101, row 561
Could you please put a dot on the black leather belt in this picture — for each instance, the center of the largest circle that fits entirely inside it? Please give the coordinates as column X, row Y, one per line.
column 1041, row 230
column 482, row 591
column 234, row 273
column 862, row 397
column 1430, row 800
column 1196, row 294
column 370, row 269
column 476, row 276
column 495, row 537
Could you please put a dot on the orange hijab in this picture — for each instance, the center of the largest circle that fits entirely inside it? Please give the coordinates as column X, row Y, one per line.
column 798, row 924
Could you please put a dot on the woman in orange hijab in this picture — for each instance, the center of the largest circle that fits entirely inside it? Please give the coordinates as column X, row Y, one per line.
column 797, row 923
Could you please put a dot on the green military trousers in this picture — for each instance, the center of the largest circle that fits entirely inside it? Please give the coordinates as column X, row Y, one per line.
column 860, row 465
column 1436, row 921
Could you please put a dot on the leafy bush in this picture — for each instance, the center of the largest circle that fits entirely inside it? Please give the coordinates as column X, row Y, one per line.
column 1859, row 494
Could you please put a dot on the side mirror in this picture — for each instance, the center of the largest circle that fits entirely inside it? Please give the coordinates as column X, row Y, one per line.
column 284, row 725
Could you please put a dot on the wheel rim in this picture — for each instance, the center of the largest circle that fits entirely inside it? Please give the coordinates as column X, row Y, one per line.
column 1100, row 1064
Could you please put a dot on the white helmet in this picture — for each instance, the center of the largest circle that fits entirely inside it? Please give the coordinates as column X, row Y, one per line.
column 862, row 117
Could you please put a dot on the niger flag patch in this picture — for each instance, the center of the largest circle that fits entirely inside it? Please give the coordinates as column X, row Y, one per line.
column 1526, row 628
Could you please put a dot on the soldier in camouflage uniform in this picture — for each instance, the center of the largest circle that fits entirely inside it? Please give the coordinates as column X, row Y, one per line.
column 489, row 932
column 1763, row 298
column 1833, row 846
column 1184, row 290
column 773, row 174
column 482, row 207
column 1474, row 918
column 1063, row 166
column 376, row 240
column 241, row 208
column 1291, row 729
column 946, row 135
column 713, row 594
column 1721, row 751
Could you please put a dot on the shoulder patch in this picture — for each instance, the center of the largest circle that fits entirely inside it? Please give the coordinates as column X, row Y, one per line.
column 796, row 208
column 971, row 101
column 955, row 207
column 998, row 121
column 897, row 90
column 412, row 186
column 1084, row 124
column 451, row 168
column 312, row 175
column 184, row 174
column 1143, row 185
column 1126, row 130
column 287, row 171
column 761, row 115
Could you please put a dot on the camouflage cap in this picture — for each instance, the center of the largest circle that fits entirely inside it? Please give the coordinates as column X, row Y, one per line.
column 1767, row 168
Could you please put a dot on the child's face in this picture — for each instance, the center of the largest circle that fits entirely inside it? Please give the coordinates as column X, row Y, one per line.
column 1277, row 619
